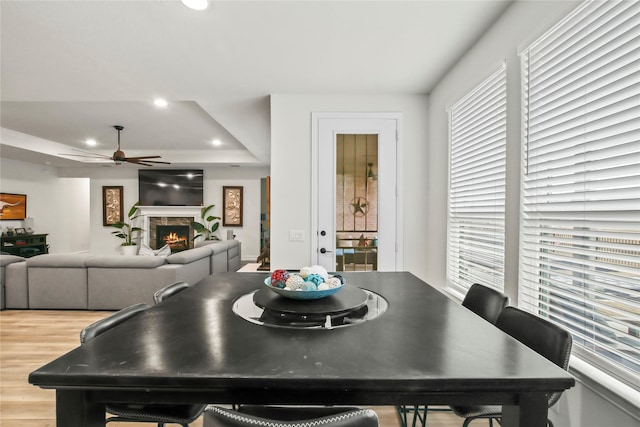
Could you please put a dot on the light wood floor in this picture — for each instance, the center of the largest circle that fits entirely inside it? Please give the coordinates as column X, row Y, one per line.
column 31, row 338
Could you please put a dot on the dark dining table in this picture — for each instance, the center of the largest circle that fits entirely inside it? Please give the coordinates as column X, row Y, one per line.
column 422, row 348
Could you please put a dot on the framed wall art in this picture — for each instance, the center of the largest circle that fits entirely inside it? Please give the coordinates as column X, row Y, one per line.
column 232, row 205
column 13, row 206
column 112, row 209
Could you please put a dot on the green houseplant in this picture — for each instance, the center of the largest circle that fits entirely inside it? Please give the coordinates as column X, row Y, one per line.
column 208, row 226
column 125, row 229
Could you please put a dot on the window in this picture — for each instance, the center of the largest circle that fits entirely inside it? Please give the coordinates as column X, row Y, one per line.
column 475, row 235
column 580, row 231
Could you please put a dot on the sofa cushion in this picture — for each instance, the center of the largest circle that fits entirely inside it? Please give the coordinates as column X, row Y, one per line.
column 54, row 287
column 121, row 261
column 201, row 243
column 233, row 255
column 58, row 261
column 116, row 288
column 57, row 281
column 191, row 255
column 16, row 290
column 218, row 248
column 10, row 259
column 233, row 246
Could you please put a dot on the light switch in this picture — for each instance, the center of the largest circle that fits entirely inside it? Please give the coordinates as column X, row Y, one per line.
column 296, row 235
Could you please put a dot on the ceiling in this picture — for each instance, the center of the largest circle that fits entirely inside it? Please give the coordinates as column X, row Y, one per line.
column 70, row 70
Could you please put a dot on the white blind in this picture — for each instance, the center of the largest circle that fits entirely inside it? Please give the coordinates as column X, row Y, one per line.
column 580, row 233
column 475, row 240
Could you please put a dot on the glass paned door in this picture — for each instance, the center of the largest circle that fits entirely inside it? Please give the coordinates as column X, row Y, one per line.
column 356, row 202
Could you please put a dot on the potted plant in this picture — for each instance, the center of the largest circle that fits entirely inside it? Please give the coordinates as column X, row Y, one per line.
column 208, row 226
column 127, row 232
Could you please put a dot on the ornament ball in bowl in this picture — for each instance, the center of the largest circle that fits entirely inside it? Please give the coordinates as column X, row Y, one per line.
column 310, row 283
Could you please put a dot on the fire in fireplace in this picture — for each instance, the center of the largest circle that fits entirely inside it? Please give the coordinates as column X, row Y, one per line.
column 176, row 236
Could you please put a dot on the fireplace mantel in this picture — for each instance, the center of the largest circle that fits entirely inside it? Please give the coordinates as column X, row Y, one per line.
column 170, row 211
column 148, row 212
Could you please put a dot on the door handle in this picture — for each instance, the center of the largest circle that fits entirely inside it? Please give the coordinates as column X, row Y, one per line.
column 324, row 251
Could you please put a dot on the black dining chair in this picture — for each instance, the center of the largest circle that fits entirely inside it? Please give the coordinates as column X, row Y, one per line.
column 274, row 416
column 487, row 303
column 132, row 412
column 169, row 291
column 542, row 336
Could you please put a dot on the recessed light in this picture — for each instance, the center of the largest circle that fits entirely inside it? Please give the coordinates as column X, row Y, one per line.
column 196, row 4
column 91, row 142
column 159, row 102
column 216, row 142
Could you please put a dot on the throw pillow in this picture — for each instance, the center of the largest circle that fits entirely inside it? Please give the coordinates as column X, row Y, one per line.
column 146, row 251
column 163, row 251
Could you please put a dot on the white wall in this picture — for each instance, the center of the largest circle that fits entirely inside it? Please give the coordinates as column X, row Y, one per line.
column 58, row 205
column 521, row 24
column 291, row 164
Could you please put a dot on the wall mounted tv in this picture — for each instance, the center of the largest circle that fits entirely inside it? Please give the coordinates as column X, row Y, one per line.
column 171, row 187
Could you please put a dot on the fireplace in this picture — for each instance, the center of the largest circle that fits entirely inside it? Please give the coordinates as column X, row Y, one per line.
column 173, row 231
column 176, row 236
column 154, row 216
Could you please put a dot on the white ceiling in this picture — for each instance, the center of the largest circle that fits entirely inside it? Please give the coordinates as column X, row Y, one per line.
column 70, row 70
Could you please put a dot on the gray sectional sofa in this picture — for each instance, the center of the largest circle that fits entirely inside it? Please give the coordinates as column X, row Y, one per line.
column 107, row 282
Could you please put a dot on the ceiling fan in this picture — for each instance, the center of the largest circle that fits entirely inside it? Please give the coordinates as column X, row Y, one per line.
column 119, row 157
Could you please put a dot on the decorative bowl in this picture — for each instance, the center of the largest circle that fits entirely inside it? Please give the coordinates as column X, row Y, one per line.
column 302, row 295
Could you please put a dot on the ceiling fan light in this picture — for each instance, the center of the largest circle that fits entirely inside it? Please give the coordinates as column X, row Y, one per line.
column 196, row 4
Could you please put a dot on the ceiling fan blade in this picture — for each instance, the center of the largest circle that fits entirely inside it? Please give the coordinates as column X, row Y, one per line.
column 86, row 154
column 138, row 162
column 134, row 160
column 144, row 157
column 146, row 162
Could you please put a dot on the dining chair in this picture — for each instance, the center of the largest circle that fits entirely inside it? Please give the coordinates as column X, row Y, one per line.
column 294, row 416
column 542, row 336
column 484, row 301
column 487, row 303
column 132, row 412
column 169, row 291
